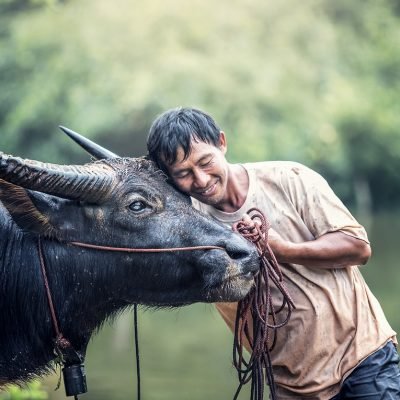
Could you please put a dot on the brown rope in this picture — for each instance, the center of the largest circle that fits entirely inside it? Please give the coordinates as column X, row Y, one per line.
column 60, row 342
column 256, row 317
column 144, row 250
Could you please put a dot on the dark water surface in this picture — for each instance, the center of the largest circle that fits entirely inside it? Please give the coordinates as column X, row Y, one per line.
column 186, row 354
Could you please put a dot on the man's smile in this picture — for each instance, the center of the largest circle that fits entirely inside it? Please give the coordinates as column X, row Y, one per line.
column 209, row 191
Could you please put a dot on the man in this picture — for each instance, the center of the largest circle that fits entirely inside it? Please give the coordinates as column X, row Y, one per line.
column 338, row 343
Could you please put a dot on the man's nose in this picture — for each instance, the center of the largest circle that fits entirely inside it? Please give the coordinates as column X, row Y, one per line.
column 200, row 178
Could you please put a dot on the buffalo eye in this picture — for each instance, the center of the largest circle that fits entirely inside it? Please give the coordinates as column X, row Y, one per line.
column 138, row 206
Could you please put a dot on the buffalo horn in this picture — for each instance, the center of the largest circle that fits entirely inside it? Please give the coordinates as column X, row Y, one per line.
column 89, row 182
column 92, row 148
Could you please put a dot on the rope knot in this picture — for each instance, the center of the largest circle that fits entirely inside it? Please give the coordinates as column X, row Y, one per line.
column 62, row 343
column 254, row 227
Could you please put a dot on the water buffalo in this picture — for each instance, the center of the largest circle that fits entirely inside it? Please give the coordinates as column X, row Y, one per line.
column 121, row 202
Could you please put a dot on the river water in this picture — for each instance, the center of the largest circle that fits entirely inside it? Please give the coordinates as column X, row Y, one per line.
column 186, row 354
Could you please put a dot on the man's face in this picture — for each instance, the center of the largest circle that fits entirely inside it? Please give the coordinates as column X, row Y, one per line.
column 204, row 174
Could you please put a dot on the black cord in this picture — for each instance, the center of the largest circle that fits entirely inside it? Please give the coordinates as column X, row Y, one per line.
column 135, row 325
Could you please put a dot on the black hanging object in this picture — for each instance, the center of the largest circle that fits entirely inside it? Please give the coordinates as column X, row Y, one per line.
column 136, row 331
column 74, row 379
column 92, row 148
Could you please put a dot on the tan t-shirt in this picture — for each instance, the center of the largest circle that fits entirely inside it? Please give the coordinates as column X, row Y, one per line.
column 337, row 321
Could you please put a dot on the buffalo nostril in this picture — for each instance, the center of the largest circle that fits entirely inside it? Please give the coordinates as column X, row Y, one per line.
column 237, row 254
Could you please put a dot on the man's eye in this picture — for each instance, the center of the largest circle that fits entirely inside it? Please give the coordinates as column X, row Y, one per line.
column 206, row 164
column 182, row 176
column 138, row 206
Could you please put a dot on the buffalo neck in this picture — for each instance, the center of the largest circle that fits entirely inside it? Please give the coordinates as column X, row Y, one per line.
column 27, row 333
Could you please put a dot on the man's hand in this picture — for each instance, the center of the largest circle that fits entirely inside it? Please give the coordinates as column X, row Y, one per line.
column 277, row 244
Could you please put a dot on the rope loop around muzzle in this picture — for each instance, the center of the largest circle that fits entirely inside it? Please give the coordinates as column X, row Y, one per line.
column 144, row 250
column 257, row 317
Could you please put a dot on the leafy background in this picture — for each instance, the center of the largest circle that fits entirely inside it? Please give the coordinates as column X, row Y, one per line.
column 315, row 81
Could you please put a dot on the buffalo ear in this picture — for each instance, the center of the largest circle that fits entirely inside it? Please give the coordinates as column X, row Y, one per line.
column 22, row 210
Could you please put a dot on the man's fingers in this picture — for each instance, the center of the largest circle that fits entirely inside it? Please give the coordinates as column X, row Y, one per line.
column 250, row 222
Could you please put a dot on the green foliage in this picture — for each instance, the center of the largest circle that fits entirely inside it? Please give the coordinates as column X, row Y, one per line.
column 33, row 391
column 315, row 81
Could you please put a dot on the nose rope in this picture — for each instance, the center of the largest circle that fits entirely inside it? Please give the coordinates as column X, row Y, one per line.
column 144, row 250
column 257, row 317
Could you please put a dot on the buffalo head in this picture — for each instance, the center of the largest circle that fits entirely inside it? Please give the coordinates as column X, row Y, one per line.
column 119, row 202
column 125, row 202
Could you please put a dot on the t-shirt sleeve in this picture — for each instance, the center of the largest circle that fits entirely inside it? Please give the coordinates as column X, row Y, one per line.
column 320, row 209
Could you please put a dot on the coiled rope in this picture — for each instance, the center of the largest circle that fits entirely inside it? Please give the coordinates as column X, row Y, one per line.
column 257, row 318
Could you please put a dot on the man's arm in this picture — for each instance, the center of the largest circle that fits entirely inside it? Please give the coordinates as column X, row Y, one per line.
column 332, row 250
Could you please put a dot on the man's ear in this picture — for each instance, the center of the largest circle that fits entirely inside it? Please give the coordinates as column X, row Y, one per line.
column 22, row 210
column 223, row 145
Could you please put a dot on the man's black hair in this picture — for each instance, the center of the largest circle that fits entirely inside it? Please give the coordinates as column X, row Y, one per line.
column 176, row 128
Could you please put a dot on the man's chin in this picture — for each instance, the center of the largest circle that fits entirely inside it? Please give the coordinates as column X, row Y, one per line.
column 210, row 200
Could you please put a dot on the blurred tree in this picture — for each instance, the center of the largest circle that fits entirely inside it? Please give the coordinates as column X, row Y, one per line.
column 314, row 81
column 365, row 110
